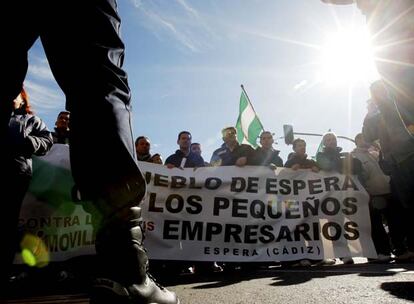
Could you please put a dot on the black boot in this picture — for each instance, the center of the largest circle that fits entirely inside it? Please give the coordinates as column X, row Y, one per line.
column 149, row 292
column 125, row 278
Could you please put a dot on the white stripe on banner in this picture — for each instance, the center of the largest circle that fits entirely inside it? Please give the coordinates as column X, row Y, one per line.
column 247, row 118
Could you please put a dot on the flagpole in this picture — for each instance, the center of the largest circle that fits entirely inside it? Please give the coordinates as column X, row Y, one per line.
column 245, row 93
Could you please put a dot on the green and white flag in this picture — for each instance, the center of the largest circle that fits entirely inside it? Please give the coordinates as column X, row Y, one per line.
column 320, row 147
column 248, row 124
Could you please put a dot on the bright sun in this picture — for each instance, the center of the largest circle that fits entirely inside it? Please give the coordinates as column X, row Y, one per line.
column 347, row 58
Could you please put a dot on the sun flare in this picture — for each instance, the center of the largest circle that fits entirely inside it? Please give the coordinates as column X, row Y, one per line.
column 347, row 58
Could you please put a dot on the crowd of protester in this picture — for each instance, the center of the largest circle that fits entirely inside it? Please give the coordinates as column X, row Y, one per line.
column 383, row 159
column 391, row 230
column 390, row 225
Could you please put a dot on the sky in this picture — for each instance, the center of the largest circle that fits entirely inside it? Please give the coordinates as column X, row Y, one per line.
column 301, row 62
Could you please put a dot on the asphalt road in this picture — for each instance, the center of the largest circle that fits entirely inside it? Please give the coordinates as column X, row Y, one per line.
column 359, row 283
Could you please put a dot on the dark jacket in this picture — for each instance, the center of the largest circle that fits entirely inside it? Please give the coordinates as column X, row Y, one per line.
column 332, row 160
column 192, row 160
column 145, row 158
column 396, row 142
column 223, row 156
column 303, row 162
column 60, row 137
column 27, row 136
column 264, row 157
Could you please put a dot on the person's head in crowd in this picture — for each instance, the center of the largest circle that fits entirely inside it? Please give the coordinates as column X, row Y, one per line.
column 266, row 140
column 157, row 159
column 360, row 142
column 299, row 146
column 329, row 140
column 196, row 148
column 184, row 141
column 21, row 103
column 375, row 146
column 62, row 121
column 142, row 145
column 229, row 136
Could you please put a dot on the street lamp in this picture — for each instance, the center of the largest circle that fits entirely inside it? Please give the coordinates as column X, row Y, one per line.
column 289, row 134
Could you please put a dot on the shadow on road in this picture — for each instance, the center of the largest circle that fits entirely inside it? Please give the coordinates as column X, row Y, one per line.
column 402, row 290
column 381, row 270
column 51, row 282
column 287, row 276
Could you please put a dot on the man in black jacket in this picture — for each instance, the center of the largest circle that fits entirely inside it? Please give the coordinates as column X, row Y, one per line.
column 266, row 155
column 231, row 153
column 61, row 131
column 184, row 157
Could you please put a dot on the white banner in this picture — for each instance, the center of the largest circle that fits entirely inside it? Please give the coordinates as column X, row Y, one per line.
column 50, row 216
column 212, row 213
column 254, row 214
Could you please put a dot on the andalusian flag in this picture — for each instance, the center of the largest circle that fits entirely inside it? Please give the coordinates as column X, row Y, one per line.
column 320, row 147
column 248, row 124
